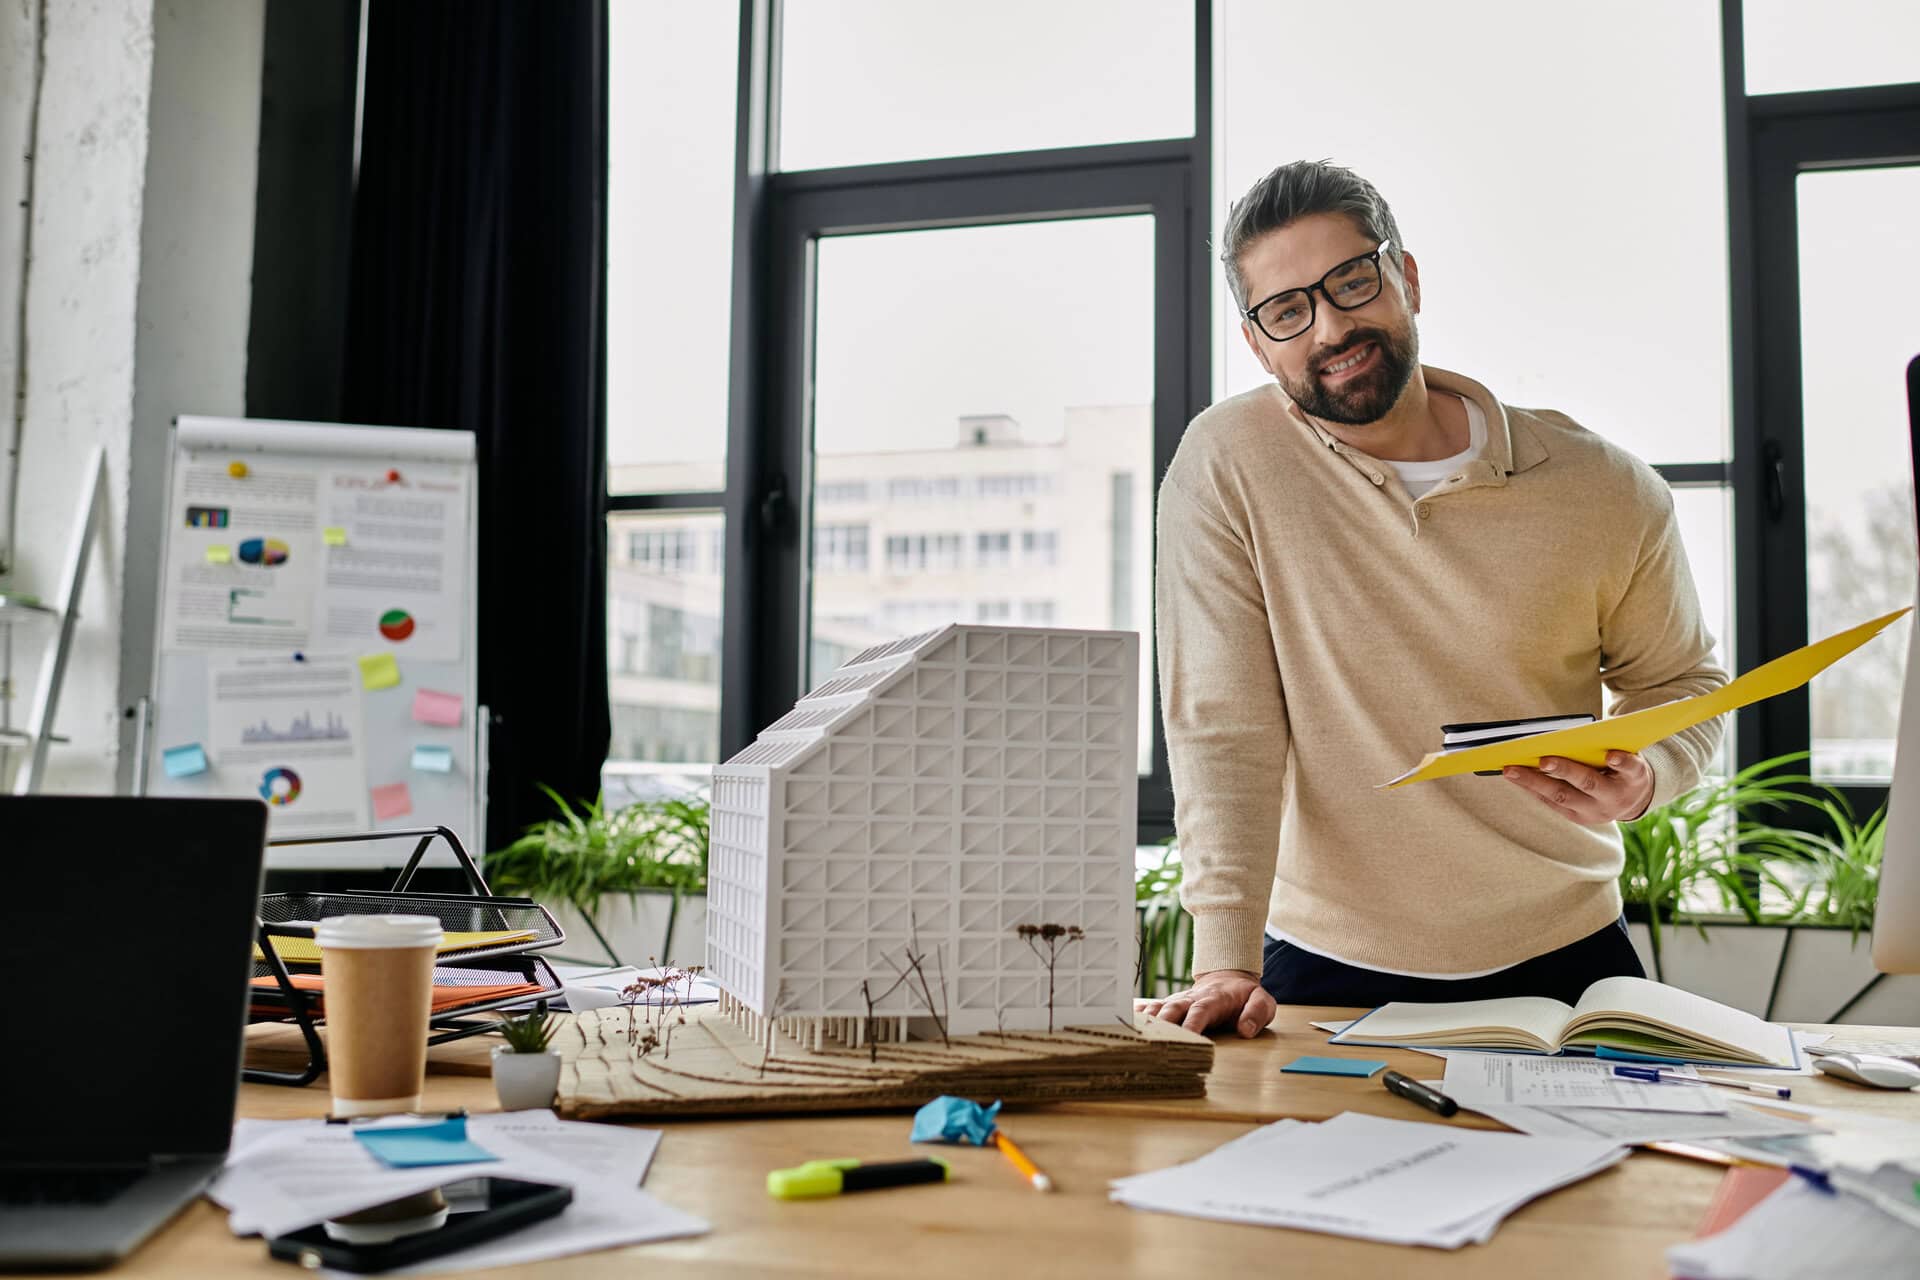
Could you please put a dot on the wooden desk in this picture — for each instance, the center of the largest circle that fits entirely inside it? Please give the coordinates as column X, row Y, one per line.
column 988, row 1223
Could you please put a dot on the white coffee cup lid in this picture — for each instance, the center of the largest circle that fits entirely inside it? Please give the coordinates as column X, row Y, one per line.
column 367, row 933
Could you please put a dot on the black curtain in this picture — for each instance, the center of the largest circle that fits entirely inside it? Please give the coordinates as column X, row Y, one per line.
column 475, row 302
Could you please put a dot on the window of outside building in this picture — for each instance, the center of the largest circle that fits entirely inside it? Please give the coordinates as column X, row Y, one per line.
column 1037, row 613
column 992, row 550
column 993, row 611
column 1040, row 547
column 835, row 492
column 1013, row 486
column 840, row 548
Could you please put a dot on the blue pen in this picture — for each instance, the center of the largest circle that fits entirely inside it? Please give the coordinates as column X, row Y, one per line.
column 1819, row 1181
column 1654, row 1075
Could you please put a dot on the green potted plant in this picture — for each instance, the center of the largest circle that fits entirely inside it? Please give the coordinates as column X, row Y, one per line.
column 634, row 877
column 1166, row 930
column 1707, row 853
column 526, row 1071
column 1827, row 966
column 1772, row 909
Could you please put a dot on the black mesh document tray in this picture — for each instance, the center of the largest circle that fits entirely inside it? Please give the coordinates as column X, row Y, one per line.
column 290, row 918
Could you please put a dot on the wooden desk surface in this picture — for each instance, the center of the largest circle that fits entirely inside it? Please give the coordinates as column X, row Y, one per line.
column 1615, row 1224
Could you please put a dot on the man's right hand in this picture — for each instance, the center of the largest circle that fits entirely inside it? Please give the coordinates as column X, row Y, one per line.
column 1217, row 1000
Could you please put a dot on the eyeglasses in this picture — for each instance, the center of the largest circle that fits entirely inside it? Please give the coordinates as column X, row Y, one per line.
column 1354, row 283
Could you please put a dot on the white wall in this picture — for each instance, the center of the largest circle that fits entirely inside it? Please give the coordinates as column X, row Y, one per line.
column 135, row 303
column 18, row 24
column 196, row 274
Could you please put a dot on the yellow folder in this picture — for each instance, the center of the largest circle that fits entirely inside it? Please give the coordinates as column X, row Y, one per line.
column 1638, row 730
column 307, row 951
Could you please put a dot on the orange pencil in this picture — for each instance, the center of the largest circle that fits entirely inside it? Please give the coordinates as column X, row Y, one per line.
column 1027, row 1168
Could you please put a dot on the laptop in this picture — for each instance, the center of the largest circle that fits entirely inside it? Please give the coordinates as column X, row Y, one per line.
column 126, row 944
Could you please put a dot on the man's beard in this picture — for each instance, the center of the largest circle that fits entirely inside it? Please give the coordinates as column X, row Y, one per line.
column 1367, row 398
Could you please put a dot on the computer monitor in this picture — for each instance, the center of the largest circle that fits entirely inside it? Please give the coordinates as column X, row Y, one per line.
column 1896, row 921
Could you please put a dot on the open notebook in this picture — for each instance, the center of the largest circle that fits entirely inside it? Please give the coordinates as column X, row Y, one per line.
column 1630, row 1015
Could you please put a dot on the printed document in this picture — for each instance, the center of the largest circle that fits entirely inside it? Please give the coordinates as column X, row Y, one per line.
column 1799, row 1231
column 243, row 567
column 1492, row 1079
column 284, row 1175
column 1396, row 1181
column 292, row 734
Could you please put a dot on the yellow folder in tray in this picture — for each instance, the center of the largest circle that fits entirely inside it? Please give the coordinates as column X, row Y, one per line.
column 307, row 951
column 1638, row 730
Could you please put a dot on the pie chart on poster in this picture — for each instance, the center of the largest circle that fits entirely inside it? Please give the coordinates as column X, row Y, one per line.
column 280, row 786
column 263, row 551
column 396, row 624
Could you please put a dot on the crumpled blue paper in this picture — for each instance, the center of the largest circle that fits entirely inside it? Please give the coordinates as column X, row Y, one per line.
column 949, row 1119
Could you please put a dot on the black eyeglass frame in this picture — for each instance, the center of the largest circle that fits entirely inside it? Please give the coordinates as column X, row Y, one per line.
column 1380, row 278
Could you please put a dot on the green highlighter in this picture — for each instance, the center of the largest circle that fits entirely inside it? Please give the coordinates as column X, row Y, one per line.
column 818, row 1178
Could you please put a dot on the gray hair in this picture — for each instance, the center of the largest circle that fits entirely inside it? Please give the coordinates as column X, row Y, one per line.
column 1293, row 191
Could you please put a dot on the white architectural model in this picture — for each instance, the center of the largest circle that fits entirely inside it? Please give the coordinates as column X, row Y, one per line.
column 933, row 796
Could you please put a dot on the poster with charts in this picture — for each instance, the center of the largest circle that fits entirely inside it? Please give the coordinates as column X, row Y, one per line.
column 291, row 733
column 394, row 554
column 243, row 567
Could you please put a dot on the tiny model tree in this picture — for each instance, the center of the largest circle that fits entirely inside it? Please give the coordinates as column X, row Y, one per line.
column 663, row 995
column 1055, row 938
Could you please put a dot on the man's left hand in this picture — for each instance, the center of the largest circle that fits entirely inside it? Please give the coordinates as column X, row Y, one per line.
column 1618, row 793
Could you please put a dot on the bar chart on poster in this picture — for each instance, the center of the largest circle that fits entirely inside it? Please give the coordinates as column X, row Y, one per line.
column 315, row 645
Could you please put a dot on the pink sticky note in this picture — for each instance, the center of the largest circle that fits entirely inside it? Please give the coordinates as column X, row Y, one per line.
column 392, row 801
column 430, row 706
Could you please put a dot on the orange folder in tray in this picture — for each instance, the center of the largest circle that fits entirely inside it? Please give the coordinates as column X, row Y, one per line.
column 444, row 998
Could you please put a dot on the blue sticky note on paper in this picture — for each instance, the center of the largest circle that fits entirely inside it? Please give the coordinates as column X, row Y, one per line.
column 415, row 1146
column 433, row 759
column 950, row 1119
column 184, row 762
column 1333, row 1066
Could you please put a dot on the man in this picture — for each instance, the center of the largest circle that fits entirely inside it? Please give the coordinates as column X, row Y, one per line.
column 1350, row 558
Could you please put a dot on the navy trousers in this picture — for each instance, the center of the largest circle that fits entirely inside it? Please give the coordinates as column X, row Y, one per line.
column 1295, row 976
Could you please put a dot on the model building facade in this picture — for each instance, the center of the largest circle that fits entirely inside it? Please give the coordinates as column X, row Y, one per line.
column 929, row 799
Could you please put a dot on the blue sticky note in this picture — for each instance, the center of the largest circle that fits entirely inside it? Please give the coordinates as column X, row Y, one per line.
column 433, row 759
column 184, row 762
column 949, row 1119
column 1333, row 1066
column 414, row 1146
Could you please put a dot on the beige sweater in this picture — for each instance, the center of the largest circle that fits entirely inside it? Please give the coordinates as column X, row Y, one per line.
column 1317, row 627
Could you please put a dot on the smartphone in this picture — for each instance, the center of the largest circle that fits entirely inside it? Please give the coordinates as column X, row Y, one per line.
column 403, row 1232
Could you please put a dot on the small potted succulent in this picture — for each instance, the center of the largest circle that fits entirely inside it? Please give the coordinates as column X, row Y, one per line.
column 525, row 1071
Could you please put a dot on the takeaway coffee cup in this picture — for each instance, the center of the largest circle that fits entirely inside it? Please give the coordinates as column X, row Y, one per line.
column 379, row 990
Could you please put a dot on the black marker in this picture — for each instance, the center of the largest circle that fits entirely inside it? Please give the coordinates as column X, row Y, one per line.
column 1412, row 1090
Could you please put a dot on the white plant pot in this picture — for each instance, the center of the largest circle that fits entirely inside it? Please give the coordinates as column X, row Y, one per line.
column 636, row 925
column 1820, row 970
column 525, row 1081
column 1733, row 963
column 1827, row 967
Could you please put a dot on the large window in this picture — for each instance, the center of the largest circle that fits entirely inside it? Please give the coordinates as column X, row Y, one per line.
column 951, row 289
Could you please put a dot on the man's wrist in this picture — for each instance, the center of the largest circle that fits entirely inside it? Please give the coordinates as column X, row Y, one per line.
column 1238, row 973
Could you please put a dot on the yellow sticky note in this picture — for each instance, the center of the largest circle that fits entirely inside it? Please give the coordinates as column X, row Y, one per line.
column 219, row 555
column 1638, row 730
column 334, row 536
column 379, row 671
